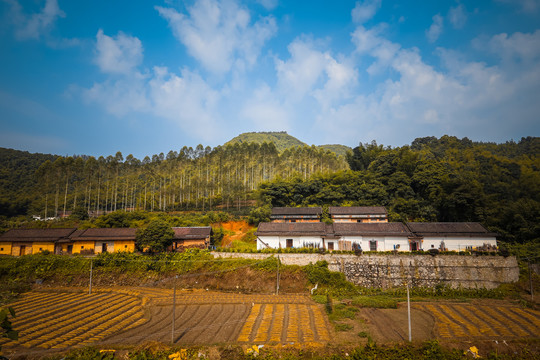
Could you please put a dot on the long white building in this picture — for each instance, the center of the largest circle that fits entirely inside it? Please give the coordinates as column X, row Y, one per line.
column 383, row 236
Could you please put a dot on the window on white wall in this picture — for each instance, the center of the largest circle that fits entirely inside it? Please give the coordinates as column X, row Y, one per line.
column 289, row 243
column 373, row 245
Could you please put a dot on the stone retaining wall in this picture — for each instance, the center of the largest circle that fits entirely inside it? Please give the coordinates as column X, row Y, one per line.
column 386, row 271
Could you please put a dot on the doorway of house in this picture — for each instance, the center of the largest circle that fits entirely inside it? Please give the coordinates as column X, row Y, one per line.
column 414, row 246
column 104, row 247
column 22, row 250
column 70, row 249
column 331, row 246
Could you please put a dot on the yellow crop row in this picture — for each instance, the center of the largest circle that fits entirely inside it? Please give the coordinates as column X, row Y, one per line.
column 305, row 323
column 248, row 325
column 65, row 329
column 47, row 319
column 322, row 330
column 292, row 330
column 496, row 314
column 483, row 326
column 444, row 324
column 262, row 331
column 523, row 326
column 529, row 314
column 53, row 299
column 277, row 324
column 472, row 329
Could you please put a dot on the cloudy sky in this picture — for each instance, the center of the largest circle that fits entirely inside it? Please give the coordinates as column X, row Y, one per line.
column 144, row 77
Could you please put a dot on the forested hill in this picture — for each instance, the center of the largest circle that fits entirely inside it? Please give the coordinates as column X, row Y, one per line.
column 283, row 141
column 280, row 139
column 446, row 179
column 200, row 178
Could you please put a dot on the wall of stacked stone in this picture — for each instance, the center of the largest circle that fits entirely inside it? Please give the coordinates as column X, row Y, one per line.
column 387, row 271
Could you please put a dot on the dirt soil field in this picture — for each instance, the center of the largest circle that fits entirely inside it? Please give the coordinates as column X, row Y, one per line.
column 62, row 318
column 234, row 230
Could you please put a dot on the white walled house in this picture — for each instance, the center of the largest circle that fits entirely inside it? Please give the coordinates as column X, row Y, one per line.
column 382, row 236
column 374, row 236
column 454, row 236
column 277, row 235
column 355, row 214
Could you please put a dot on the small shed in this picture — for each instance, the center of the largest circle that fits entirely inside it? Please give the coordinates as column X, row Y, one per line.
column 191, row 237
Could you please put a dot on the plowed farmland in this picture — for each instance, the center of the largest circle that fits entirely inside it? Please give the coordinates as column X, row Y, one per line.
column 62, row 319
column 68, row 317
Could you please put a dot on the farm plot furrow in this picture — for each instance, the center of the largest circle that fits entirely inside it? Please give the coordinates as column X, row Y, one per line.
column 532, row 316
column 306, row 327
column 47, row 317
column 264, row 328
column 230, row 330
column 495, row 312
column 71, row 328
column 521, row 324
column 224, row 317
column 245, row 333
column 29, row 297
column 443, row 323
column 45, row 302
column 470, row 328
column 81, row 329
column 89, row 334
column 276, row 331
column 320, row 325
column 483, row 326
column 205, row 323
column 292, row 331
column 51, row 320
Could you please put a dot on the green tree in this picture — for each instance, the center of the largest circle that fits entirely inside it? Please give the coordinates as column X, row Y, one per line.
column 156, row 237
column 6, row 330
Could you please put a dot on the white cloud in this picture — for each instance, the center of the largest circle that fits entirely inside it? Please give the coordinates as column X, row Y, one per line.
column 435, row 29
column 310, row 72
column 269, row 4
column 120, row 54
column 186, row 100
column 365, row 10
column 526, row 6
column 34, row 26
column 457, row 16
column 267, row 112
column 219, row 34
column 464, row 98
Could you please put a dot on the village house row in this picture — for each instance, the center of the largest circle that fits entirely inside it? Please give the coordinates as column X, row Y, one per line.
column 92, row 241
column 367, row 228
column 352, row 228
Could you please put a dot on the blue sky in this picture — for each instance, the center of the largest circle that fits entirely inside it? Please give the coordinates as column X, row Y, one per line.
column 144, row 77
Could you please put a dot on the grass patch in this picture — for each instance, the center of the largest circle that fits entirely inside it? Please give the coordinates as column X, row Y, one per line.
column 343, row 327
column 376, row 301
column 342, row 311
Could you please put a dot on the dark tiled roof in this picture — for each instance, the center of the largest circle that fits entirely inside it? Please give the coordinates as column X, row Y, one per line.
column 187, row 233
column 357, row 210
column 371, row 229
column 305, row 228
column 449, row 229
column 106, row 234
column 36, row 235
column 315, row 211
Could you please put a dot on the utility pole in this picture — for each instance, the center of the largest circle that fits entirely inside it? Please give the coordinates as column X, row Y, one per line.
column 530, row 279
column 277, row 280
column 90, row 285
column 409, row 312
column 173, row 311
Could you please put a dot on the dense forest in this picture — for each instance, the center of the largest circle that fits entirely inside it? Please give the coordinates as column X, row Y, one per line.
column 446, row 179
column 191, row 179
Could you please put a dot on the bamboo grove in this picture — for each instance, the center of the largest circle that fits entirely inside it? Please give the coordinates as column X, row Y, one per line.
column 203, row 178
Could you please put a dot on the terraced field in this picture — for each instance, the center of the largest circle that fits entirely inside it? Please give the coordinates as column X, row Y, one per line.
column 483, row 321
column 60, row 320
column 69, row 317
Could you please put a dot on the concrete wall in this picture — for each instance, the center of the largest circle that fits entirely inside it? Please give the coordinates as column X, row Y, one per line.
column 386, row 271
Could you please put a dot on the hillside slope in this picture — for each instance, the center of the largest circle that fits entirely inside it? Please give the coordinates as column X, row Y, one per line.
column 281, row 139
